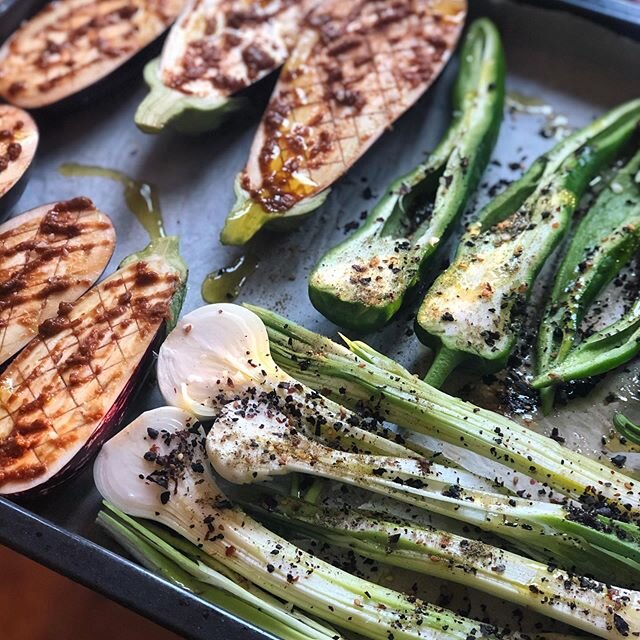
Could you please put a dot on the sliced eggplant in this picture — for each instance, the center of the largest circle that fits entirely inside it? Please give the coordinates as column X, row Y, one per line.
column 215, row 49
column 18, row 143
column 72, row 44
column 357, row 67
column 68, row 389
column 49, row 256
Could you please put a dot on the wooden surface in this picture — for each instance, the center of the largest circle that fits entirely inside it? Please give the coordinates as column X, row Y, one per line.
column 38, row 604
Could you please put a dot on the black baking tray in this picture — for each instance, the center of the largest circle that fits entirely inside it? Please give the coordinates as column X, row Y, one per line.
column 579, row 66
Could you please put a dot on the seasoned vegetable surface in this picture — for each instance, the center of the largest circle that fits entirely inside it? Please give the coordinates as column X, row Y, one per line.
column 48, row 256
column 357, row 66
column 66, row 391
column 361, row 283
column 157, row 469
column 604, row 241
column 18, row 143
column 473, row 310
column 215, row 49
column 360, row 377
column 584, row 604
column 71, row 44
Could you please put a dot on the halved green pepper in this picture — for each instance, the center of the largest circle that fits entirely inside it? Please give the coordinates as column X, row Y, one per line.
column 608, row 348
column 604, row 241
column 361, row 283
column 626, row 428
column 473, row 310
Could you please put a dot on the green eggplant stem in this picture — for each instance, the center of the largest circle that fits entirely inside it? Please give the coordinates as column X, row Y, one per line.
column 186, row 113
column 443, row 364
column 248, row 216
column 160, row 106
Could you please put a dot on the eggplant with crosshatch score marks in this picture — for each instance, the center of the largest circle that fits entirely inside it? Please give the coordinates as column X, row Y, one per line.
column 18, row 143
column 72, row 45
column 356, row 68
column 49, row 256
column 216, row 49
column 68, row 389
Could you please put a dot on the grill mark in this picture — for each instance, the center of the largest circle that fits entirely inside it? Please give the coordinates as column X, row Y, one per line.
column 292, row 146
column 40, row 253
column 148, row 308
column 50, row 58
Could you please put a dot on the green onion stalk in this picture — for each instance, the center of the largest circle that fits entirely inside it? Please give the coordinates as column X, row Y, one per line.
column 360, row 377
column 580, row 602
column 156, row 469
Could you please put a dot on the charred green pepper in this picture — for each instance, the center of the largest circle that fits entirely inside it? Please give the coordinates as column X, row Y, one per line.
column 604, row 241
column 608, row 348
column 361, row 283
column 626, row 428
column 472, row 311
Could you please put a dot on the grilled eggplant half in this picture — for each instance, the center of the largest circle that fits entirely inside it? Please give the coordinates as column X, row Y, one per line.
column 72, row 44
column 357, row 67
column 48, row 256
column 18, row 143
column 215, row 49
column 68, row 389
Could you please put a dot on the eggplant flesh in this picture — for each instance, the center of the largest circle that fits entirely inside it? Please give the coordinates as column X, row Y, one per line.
column 66, row 392
column 48, row 256
column 355, row 69
column 18, row 143
column 218, row 47
column 72, row 44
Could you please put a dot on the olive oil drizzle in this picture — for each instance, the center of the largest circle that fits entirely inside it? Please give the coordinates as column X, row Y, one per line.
column 141, row 197
column 224, row 285
column 528, row 104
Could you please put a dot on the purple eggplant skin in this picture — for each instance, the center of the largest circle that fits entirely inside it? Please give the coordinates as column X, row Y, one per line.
column 11, row 198
column 57, row 416
column 119, row 81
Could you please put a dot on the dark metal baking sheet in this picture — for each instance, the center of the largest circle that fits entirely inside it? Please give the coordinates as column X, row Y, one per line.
column 576, row 66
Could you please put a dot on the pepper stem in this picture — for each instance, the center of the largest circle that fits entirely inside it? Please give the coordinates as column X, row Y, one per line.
column 547, row 397
column 443, row 364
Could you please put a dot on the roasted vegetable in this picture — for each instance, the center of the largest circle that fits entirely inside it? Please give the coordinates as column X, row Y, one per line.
column 157, row 469
column 626, row 428
column 474, row 309
column 18, row 143
column 268, row 432
column 604, row 241
column 608, row 348
column 215, row 49
column 187, row 566
column 68, row 389
column 72, row 44
column 361, row 283
column 48, row 256
column 267, row 424
column 360, row 377
column 200, row 370
column 354, row 70
column 585, row 604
